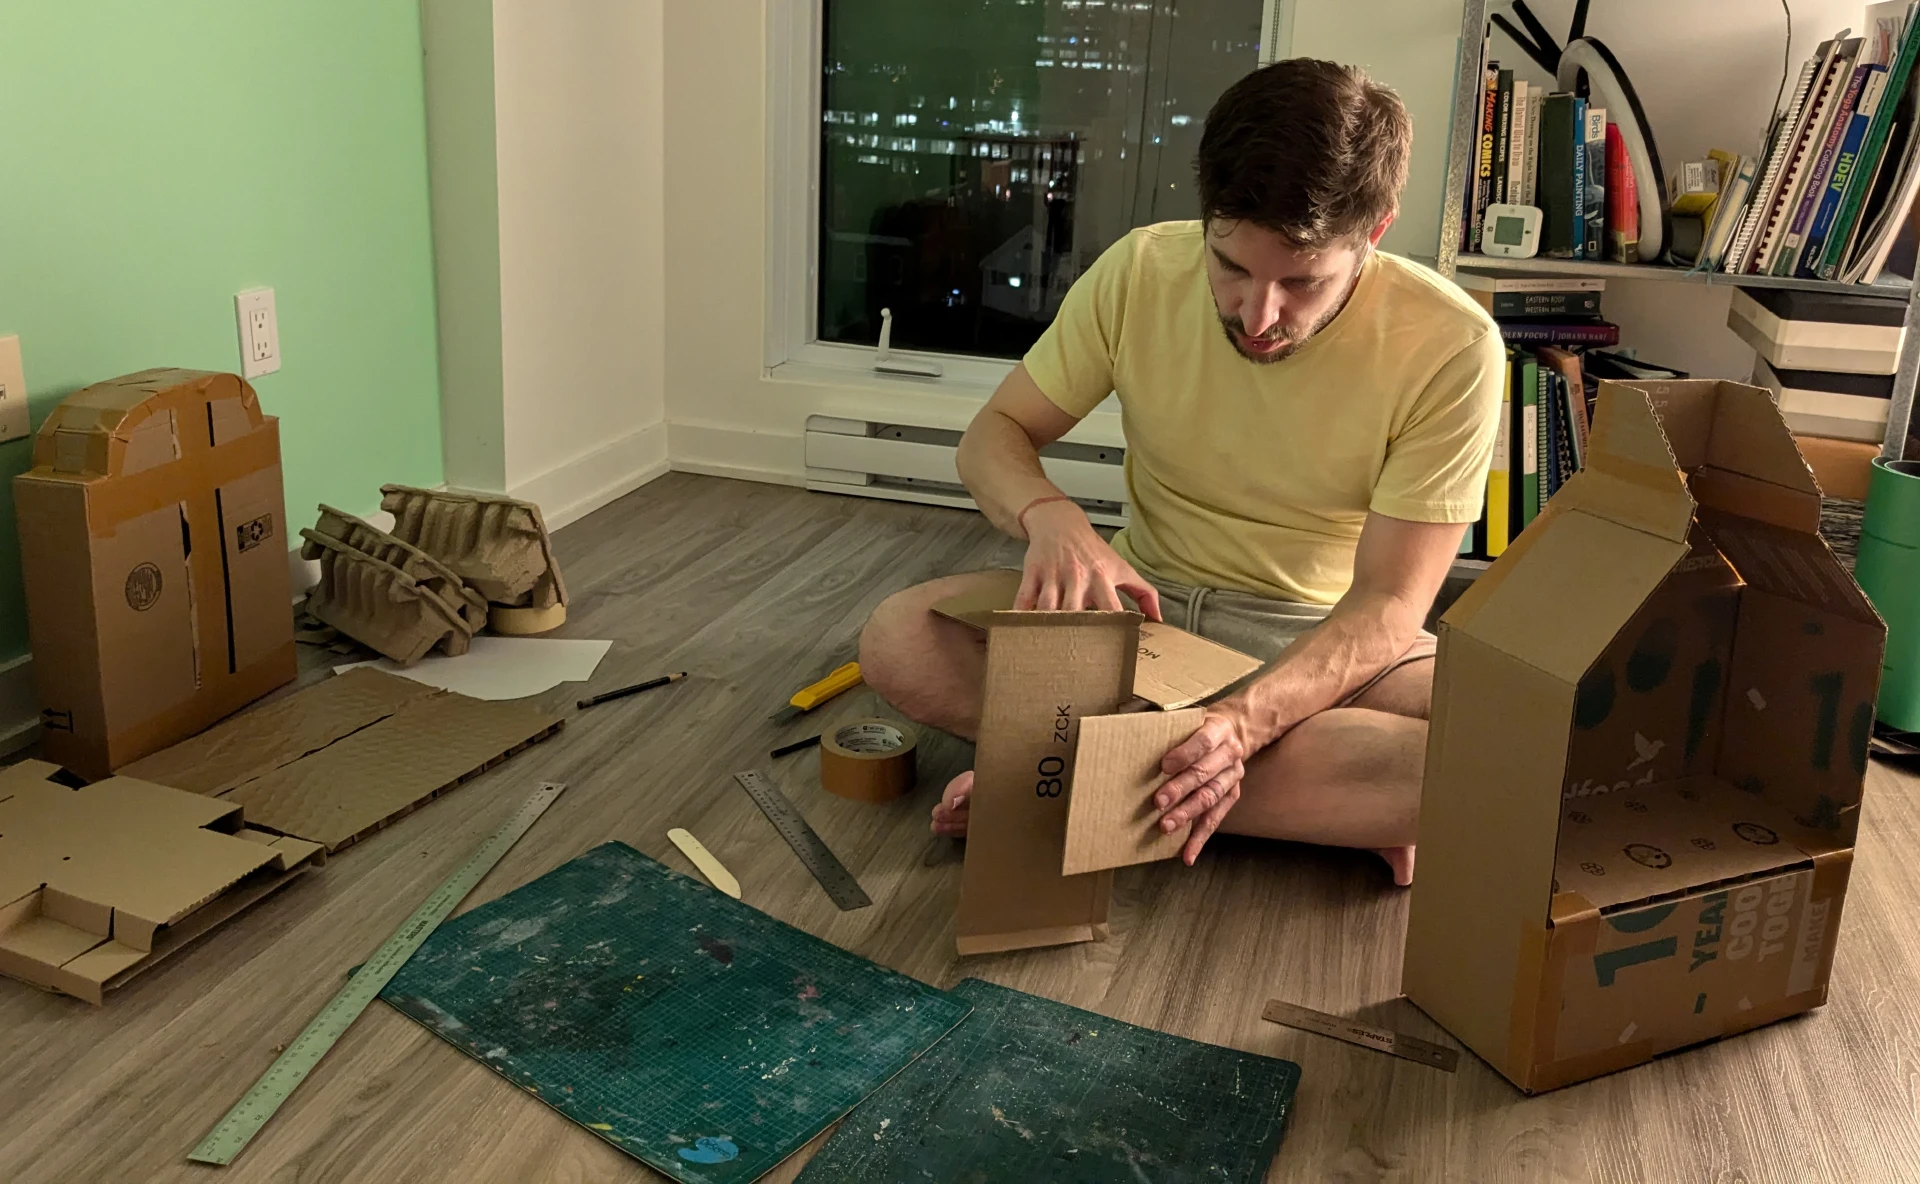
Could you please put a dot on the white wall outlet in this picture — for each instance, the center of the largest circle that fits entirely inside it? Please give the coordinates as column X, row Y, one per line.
column 259, row 332
column 14, row 424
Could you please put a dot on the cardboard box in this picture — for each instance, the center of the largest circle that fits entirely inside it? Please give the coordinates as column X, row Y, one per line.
column 341, row 759
column 97, row 884
column 154, row 547
column 1647, row 750
column 1841, row 467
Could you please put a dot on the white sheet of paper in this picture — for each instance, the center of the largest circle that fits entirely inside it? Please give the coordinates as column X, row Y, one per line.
column 502, row 667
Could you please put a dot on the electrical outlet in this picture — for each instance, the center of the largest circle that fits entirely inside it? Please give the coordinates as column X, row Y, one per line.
column 259, row 332
column 14, row 424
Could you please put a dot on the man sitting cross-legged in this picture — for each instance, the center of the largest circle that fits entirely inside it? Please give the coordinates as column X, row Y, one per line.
column 1308, row 424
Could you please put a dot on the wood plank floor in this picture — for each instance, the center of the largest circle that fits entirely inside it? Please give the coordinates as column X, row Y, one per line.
column 755, row 589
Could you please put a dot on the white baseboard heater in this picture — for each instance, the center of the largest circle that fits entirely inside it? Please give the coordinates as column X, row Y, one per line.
column 908, row 463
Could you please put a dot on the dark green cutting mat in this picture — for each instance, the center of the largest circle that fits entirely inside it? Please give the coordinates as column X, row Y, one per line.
column 1030, row 1089
column 691, row 1031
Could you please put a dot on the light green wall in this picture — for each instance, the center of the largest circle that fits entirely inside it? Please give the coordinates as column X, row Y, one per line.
column 158, row 156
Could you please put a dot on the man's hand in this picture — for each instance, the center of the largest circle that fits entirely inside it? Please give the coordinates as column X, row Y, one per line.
column 1204, row 776
column 1069, row 567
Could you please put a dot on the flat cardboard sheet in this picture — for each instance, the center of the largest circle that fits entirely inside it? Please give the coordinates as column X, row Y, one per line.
column 1173, row 668
column 1111, row 819
column 1046, row 672
column 343, row 758
column 100, row 882
column 501, row 667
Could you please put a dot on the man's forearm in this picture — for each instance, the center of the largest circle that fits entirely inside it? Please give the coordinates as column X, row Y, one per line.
column 1359, row 639
column 1001, row 469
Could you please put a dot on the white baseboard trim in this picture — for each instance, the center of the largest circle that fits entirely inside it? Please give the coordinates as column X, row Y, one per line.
column 720, row 450
column 19, row 705
column 570, row 491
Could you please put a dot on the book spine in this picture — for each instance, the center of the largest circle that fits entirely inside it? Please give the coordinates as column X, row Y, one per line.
column 1623, row 202
column 1549, row 416
column 1500, row 474
column 1543, row 304
column 1817, row 178
column 1596, row 188
column 1763, row 193
column 1867, row 163
column 1530, row 175
column 1773, row 230
column 1556, row 177
column 1503, row 136
column 1820, row 232
column 1529, row 500
column 1579, row 177
column 1525, row 333
column 1517, row 145
column 1483, row 189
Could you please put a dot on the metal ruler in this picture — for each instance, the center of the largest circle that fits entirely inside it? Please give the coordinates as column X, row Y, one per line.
column 832, row 874
column 1398, row 1044
column 231, row 1134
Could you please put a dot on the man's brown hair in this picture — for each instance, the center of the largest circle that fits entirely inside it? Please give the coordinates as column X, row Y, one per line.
column 1313, row 150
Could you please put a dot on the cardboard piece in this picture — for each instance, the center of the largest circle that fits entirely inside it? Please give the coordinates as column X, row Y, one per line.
column 97, row 884
column 1111, row 819
column 153, row 544
column 1172, row 669
column 427, row 577
column 381, row 605
column 497, row 544
column 1646, row 752
column 502, row 667
column 1046, row 672
column 342, row 759
column 1842, row 468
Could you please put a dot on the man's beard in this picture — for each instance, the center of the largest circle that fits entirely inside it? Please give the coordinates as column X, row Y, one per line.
column 1235, row 329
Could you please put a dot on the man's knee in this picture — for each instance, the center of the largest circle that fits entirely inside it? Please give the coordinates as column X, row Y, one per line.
column 927, row 667
column 888, row 640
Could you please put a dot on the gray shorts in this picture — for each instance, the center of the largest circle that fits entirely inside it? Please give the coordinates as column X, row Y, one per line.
column 1258, row 626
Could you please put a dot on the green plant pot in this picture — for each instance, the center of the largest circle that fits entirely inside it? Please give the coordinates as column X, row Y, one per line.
column 1888, row 569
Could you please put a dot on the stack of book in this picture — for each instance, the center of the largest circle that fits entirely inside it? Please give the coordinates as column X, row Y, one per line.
column 1827, row 197
column 1553, row 151
column 1543, row 428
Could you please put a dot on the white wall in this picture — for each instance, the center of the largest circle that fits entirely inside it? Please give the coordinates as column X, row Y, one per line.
column 578, row 104
column 546, row 125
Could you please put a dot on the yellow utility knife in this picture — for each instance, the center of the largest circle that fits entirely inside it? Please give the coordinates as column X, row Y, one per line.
column 807, row 698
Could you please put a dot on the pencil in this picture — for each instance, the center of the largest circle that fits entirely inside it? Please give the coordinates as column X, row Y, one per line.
column 635, row 689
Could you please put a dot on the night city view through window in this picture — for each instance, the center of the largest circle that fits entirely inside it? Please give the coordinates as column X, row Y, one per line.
column 977, row 155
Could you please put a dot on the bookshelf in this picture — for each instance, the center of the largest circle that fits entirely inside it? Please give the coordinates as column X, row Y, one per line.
column 1461, row 142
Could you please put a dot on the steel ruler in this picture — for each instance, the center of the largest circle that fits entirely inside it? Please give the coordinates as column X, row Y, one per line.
column 826, row 868
column 231, row 1134
column 1365, row 1035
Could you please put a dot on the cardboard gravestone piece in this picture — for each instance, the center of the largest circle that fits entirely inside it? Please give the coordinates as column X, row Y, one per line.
column 153, row 543
column 1111, row 818
column 1646, row 753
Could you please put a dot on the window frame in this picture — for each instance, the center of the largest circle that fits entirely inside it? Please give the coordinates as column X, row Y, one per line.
column 795, row 33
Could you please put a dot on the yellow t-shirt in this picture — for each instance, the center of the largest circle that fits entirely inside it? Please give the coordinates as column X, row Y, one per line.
column 1258, row 477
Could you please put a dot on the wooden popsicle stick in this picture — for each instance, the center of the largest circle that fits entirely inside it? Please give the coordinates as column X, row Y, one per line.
column 703, row 859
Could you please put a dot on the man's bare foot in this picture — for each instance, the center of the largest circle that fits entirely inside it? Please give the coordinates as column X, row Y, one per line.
column 1399, row 861
column 950, row 815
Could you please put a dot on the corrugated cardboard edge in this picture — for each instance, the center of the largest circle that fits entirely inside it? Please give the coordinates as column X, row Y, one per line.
column 1111, row 822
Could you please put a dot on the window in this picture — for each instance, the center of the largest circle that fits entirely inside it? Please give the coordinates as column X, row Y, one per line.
column 974, row 156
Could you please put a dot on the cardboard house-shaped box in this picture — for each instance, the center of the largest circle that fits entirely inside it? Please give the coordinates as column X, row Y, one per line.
column 1647, row 748
column 154, row 545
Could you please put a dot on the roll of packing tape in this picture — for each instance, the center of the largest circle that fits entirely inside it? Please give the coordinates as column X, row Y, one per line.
column 868, row 760
column 523, row 622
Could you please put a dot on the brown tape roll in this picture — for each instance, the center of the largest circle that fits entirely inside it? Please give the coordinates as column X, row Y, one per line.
column 868, row 760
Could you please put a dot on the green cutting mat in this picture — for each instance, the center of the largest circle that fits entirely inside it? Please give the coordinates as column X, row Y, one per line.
column 691, row 1031
column 1028, row 1089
